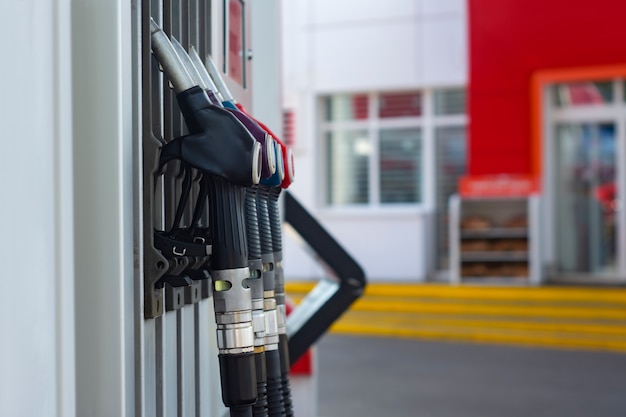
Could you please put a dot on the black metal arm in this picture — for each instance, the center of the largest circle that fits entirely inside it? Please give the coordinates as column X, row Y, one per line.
column 330, row 298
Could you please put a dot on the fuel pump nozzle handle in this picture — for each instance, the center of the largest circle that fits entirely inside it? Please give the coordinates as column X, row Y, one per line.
column 217, row 145
column 168, row 59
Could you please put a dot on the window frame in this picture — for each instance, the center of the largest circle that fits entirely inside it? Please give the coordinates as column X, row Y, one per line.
column 427, row 122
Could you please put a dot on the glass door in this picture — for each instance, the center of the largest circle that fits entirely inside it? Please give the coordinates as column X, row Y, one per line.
column 585, row 199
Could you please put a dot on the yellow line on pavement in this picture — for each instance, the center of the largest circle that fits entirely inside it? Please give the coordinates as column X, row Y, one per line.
column 563, row 317
column 491, row 310
column 614, row 295
column 396, row 320
column 501, row 310
column 476, row 336
column 485, row 302
column 520, row 293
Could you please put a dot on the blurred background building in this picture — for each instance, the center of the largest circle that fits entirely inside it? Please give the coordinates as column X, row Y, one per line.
column 517, row 106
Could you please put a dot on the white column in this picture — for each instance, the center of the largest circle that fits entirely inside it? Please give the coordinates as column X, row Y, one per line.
column 103, row 163
column 36, row 301
column 265, row 27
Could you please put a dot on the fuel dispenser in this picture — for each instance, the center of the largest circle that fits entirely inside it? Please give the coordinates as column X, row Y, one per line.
column 221, row 180
column 229, row 159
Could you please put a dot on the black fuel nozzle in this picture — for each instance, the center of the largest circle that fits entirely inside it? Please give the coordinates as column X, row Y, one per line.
column 277, row 349
column 279, row 404
column 218, row 143
column 194, row 65
column 258, row 315
column 229, row 158
column 276, row 404
column 273, row 194
column 269, row 163
column 229, row 102
column 255, row 282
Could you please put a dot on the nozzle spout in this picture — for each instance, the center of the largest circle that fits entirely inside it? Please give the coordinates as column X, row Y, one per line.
column 186, row 60
column 219, row 81
column 197, row 62
column 171, row 63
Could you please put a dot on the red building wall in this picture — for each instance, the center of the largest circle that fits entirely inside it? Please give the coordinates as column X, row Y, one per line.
column 511, row 39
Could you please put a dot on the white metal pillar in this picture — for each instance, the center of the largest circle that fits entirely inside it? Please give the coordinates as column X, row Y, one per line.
column 266, row 31
column 36, row 249
column 103, row 164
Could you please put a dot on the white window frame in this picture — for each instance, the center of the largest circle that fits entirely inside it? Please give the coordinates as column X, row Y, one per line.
column 427, row 122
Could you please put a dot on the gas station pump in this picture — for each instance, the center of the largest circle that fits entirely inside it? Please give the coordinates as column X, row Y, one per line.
column 225, row 236
column 218, row 146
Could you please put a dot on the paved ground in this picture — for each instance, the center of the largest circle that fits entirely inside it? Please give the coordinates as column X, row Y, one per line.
column 380, row 377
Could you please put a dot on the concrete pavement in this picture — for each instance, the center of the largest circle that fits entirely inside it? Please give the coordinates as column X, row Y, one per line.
column 378, row 377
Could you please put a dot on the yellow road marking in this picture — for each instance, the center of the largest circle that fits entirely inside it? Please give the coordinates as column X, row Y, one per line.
column 474, row 336
column 581, row 294
column 489, row 310
column 502, row 310
column 392, row 320
column 563, row 317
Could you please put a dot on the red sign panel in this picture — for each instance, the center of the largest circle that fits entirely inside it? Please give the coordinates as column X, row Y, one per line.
column 497, row 186
column 235, row 40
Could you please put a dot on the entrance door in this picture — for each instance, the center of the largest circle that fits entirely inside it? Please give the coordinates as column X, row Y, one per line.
column 586, row 200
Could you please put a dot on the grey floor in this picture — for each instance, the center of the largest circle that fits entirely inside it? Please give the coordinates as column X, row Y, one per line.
column 379, row 377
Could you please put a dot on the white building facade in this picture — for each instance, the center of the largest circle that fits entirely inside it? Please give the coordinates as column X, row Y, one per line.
column 377, row 93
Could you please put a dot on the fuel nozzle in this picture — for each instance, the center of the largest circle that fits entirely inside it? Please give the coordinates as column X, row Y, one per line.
column 268, row 192
column 235, row 156
column 219, row 81
column 281, row 307
column 229, row 158
column 206, row 78
column 255, row 283
column 262, row 320
column 268, row 159
column 169, row 60
column 229, row 101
